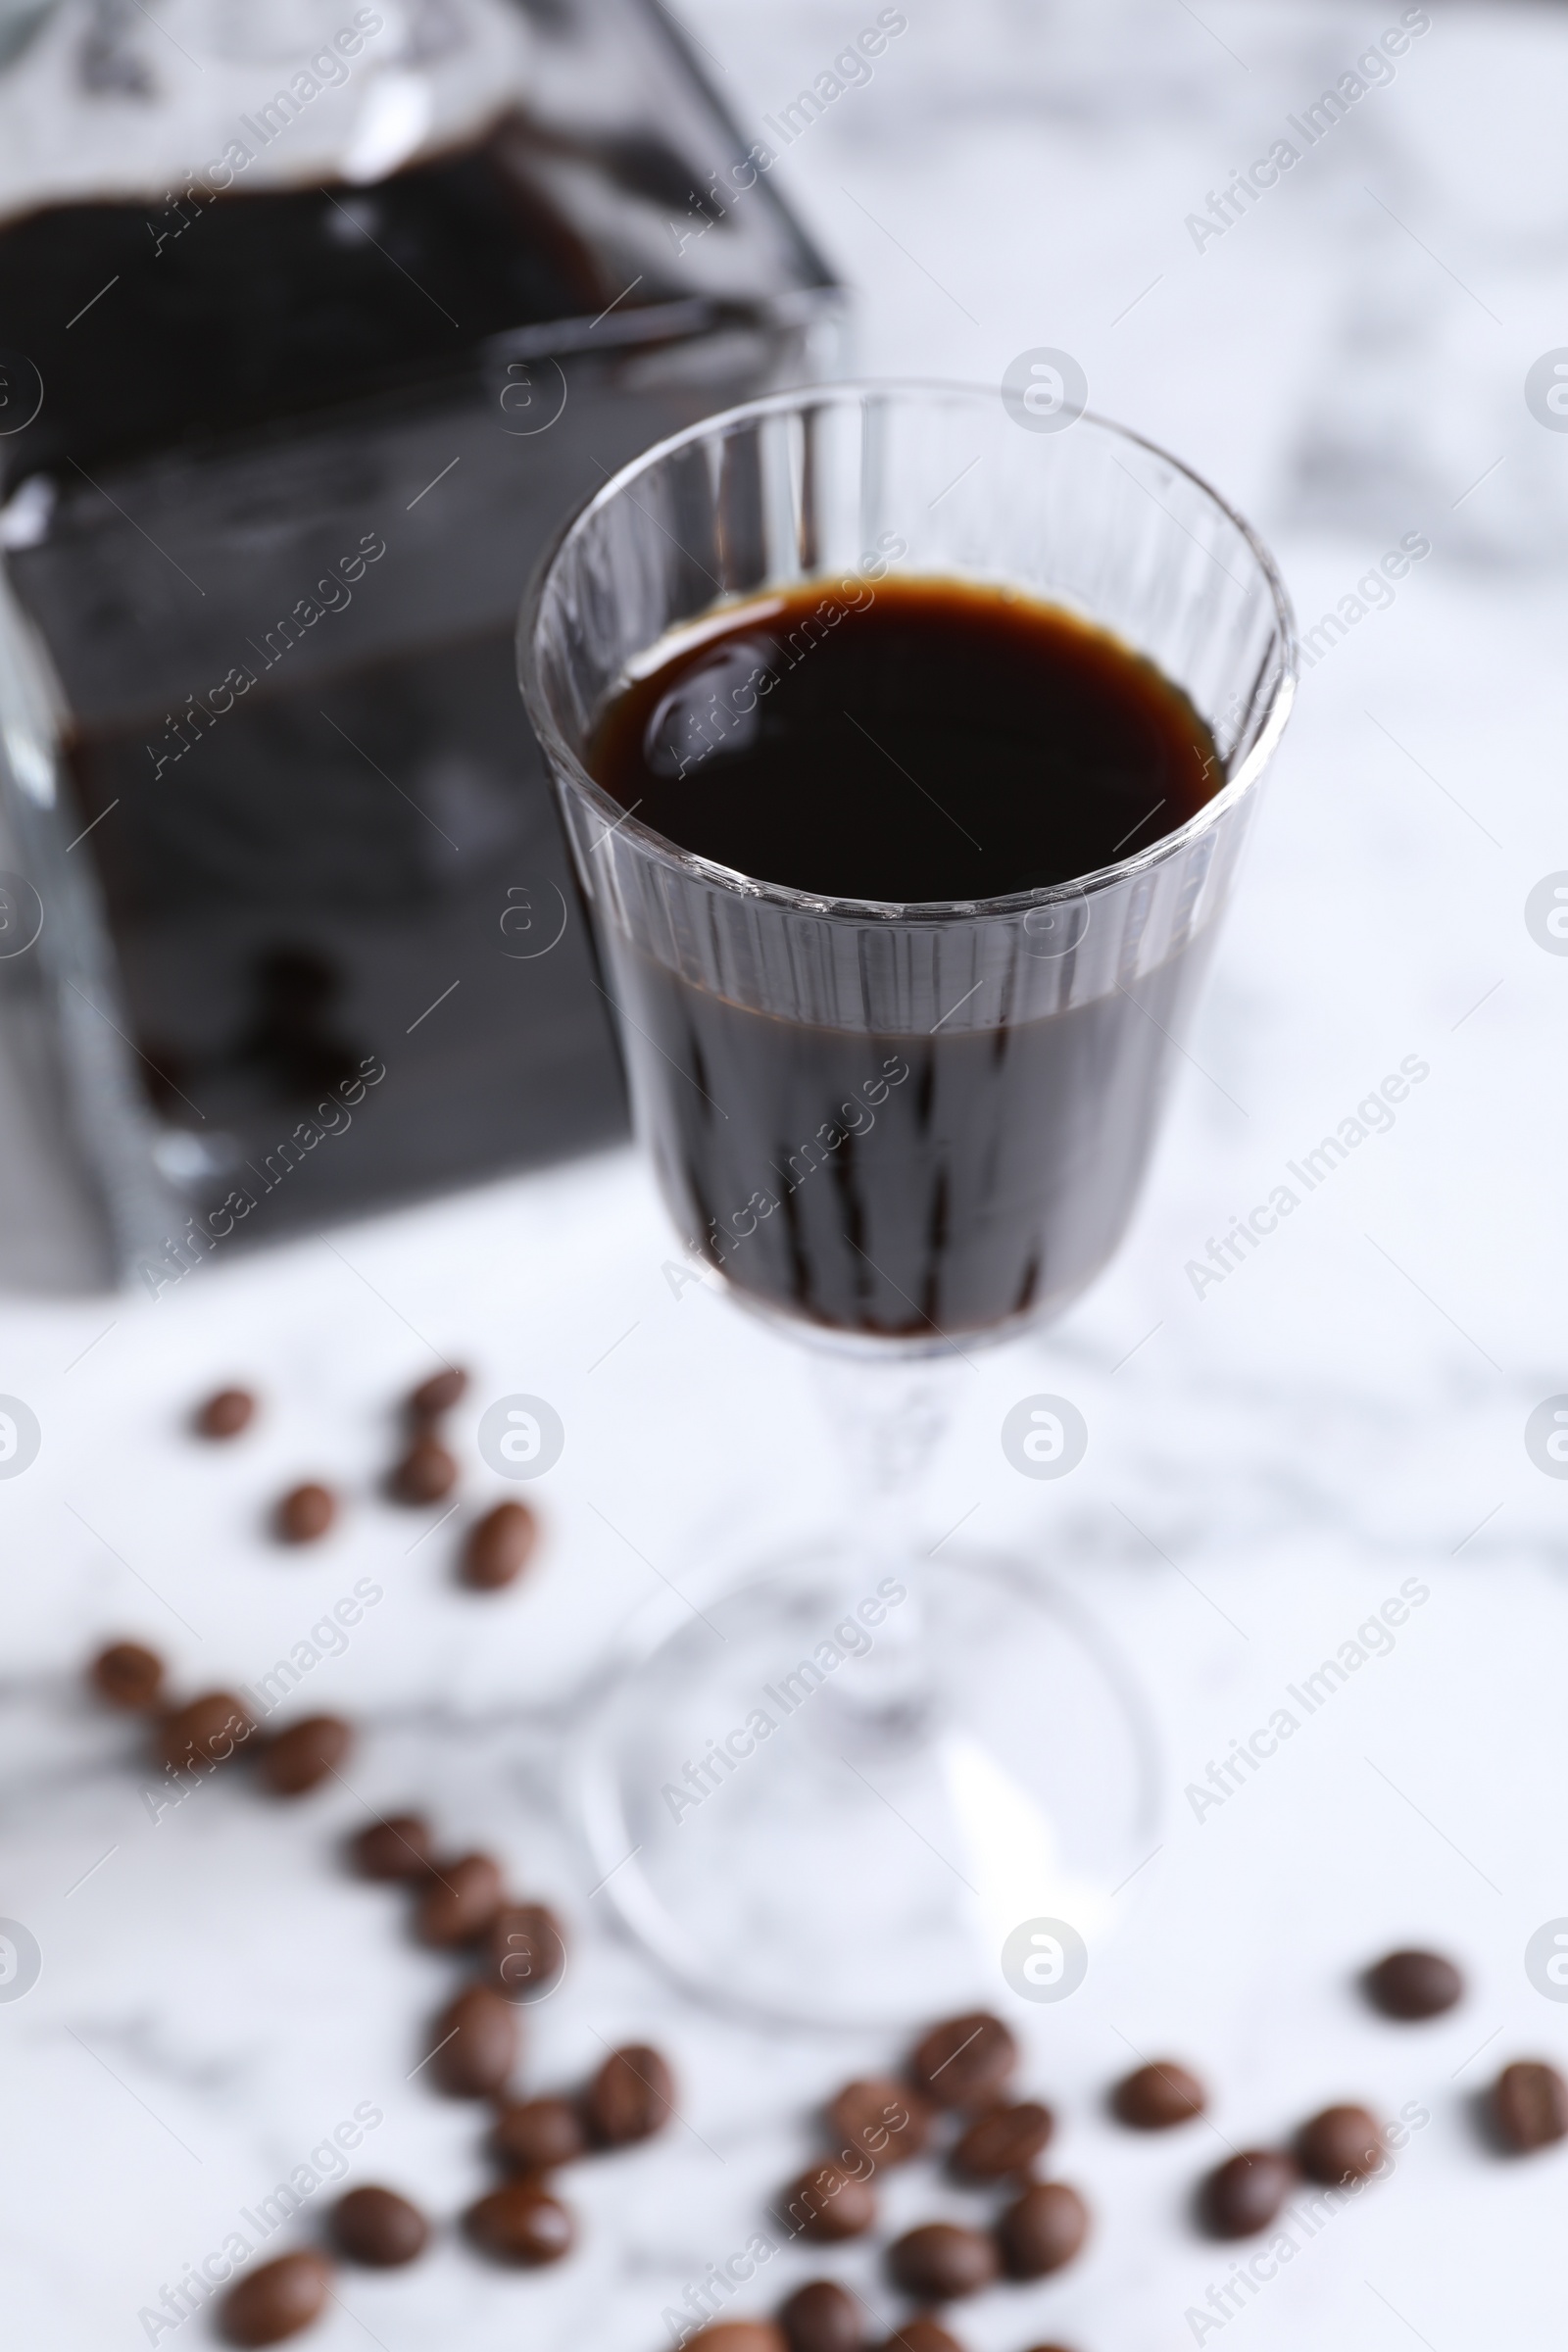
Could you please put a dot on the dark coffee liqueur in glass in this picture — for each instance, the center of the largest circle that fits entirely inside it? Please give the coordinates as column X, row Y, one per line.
column 921, row 741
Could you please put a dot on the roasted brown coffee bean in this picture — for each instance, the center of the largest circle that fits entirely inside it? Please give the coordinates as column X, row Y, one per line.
column 1410, row 1985
column 520, row 2222
column 525, row 1951
column 305, row 1754
column 1343, row 2143
column 425, row 1473
column 398, row 1847
column 830, row 2202
column 499, row 1547
column 225, row 1414
column 939, row 2262
column 534, row 2135
column 823, row 2317
column 883, row 2120
column 921, row 2334
column 438, row 1394
column 473, row 2044
column 631, row 2098
column 306, row 1513
column 1243, row 2195
column 1003, row 2141
column 1044, row 2230
column 127, row 1675
column 376, row 2225
column 207, row 1730
column 1157, row 2095
column 460, row 1901
column 278, row 2300
column 1530, row 2105
column 966, row 2060
column 737, row 2336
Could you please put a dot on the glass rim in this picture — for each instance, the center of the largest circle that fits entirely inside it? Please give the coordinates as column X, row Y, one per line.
column 823, row 904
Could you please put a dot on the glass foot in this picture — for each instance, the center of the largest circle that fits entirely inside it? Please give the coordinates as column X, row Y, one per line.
column 833, row 1796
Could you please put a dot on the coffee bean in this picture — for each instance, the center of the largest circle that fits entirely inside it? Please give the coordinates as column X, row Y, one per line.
column 305, row 1754
column 965, row 2061
column 460, row 1901
column 1530, row 2106
column 127, row 1675
column 525, row 1951
column 520, row 2222
column 499, row 1547
column 823, row 2317
column 883, row 2120
column 278, row 2300
column 1157, row 2096
column 398, row 1847
column 438, row 1394
column 376, row 2225
column 425, row 1473
column 225, row 1414
column 941, row 2261
column 830, row 2202
column 1343, row 2143
column 1005, row 2140
column 737, row 2336
column 207, row 1731
column 1044, row 2230
column 306, row 1513
column 1243, row 2195
column 921, row 2334
column 534, row 2135
column 1410, row 1985
column 631, row 2098
column 473, row 2044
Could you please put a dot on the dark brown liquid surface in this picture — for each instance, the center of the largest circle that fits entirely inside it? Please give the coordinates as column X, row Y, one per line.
column 915, row 740
column 933, row 743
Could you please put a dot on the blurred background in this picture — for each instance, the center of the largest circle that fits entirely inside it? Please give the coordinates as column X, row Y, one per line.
column 278, row 453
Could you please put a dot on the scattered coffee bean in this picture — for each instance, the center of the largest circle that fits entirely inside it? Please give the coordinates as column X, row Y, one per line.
column 460, row 1901
column 1004, row 2141
column 525, row 1951
column 425, row 1473
column 1157, row 2096
column 939, row 2262
column 398, row 1847
column 966, row 2061
column 631, row 2098
column 306, row 1513
column 278, row 2300
column 1530, row 2106
column 830, row 2202
column 127, row 1675
column 473, row 2044
column 883, row 2120
column 303, row 1755
column 438, row 1394
column 520, row 2222
column 1343, row 2143
column 823, row 2317
column 1243, row 2195
column 207, row 1731
column 225, row 1414
column 499, row 1547
column 1044, row 2230
column 534, row 2135
column 738, row 2335
column 376, row 2225
column 921, row 2334
column 1410, row 1985
column 1047, row 2348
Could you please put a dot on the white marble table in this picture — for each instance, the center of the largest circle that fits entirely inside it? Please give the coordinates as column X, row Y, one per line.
column 1344, row 1413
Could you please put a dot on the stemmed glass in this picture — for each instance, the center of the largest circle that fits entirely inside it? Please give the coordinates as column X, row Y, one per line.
column 837, row 1792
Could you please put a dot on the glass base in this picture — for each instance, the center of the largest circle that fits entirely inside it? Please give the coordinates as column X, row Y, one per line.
column 833, row 1796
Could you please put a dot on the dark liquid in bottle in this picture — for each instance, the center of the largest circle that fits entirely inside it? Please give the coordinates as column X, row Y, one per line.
column 926, row 740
